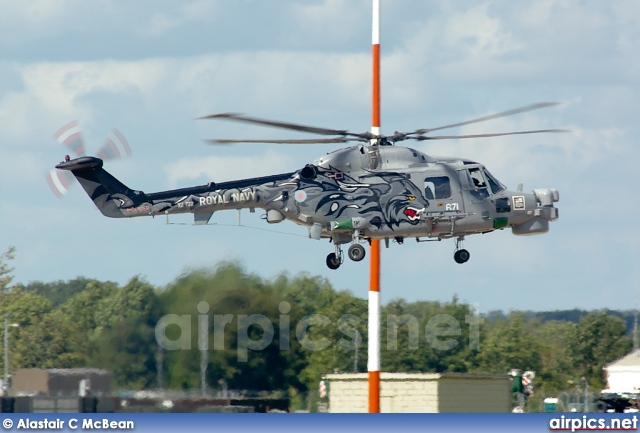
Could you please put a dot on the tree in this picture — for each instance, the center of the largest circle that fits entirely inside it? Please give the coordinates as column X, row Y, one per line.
column 5, row 270
column 82, row 308
column 229, row 292
column 329, row 338
column 58, row 292
column 598, row 339
column 429, row 336
column 136, row 299
column 556, row 366
column 52, row 341
column 127, row 348
column 124, row 334
column 507, row 345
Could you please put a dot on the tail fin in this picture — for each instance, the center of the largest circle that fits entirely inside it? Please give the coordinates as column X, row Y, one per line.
column 110, row 195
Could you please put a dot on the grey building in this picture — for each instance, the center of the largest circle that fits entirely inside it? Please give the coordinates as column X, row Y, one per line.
column 61, row 382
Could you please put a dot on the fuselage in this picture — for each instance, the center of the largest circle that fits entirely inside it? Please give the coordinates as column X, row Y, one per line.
column 370, row 192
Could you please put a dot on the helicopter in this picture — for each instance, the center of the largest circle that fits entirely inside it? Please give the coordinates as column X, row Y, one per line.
column 373, row 189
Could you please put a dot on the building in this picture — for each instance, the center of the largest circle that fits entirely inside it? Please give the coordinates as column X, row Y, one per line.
column 61, row 382
column 623, row 374
column 422, row 392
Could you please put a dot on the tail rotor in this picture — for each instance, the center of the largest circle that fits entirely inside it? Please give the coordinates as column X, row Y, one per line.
column 70, row 136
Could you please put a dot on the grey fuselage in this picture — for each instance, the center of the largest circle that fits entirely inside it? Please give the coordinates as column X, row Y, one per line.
column 370, row 192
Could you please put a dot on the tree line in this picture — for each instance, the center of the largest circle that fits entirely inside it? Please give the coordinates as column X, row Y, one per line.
column 292, row 329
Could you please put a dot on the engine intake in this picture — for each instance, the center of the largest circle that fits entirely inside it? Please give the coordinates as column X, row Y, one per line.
column 308, row 172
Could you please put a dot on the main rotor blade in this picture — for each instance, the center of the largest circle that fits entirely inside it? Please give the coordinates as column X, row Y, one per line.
column 284, row 125
column 292, row 141
column 499, row 134
column 489, row 117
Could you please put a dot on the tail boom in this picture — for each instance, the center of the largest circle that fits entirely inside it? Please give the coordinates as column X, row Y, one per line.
column 115, row 200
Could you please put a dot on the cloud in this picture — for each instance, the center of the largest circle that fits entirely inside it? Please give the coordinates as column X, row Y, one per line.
column 219, row 168
column 162, row 22
column 473, row 34
column 52, row 93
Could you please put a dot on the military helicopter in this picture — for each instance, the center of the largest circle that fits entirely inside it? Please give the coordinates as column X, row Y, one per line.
column 374, row 189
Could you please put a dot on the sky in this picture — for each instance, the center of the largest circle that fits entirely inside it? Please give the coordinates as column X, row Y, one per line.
column 151, row 68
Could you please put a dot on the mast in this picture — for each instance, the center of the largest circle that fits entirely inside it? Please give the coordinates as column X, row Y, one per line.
column 373, row 363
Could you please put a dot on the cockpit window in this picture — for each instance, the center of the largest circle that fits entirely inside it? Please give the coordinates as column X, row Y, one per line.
column 477, row 178
column 473, row 181
column 437, row 187
column 495, row 185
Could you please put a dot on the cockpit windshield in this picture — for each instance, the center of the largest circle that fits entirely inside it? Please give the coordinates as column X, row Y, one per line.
column 480, row 183
column 494, row 183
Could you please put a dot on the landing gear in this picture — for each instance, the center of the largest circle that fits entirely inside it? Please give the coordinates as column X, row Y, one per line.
column 356, row 252
column 333, row 261
column 461, row 255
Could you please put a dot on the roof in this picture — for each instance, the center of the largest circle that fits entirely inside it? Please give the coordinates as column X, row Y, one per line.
column 387, row 376
column 77, row 371
column 630, row 360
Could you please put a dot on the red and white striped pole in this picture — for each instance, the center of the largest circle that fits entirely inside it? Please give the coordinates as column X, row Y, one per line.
column 373, row 363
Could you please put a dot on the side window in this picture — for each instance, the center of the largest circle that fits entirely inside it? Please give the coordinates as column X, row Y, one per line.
column 437, row 187
column 503, row 205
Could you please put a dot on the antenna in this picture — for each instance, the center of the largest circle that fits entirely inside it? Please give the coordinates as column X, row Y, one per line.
column 373, row 362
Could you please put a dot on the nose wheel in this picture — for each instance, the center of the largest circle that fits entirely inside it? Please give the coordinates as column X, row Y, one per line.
column 334, row 261
column 461, row 255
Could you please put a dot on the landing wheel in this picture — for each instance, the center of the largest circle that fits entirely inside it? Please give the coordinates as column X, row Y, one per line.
column 333, row 261
column 461, row 256
column 356, row 252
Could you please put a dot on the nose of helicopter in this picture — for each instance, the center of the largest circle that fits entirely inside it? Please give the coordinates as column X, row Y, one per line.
column 542, row 214
column 547, row 196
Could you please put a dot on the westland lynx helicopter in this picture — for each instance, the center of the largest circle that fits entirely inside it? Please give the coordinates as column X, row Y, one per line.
column 371, row 190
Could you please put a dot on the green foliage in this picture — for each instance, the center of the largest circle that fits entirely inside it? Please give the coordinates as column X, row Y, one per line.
column 229, row 291
column 82, row 308
column 50, row 342
column 555, row 363
column 125, row 331
column 507, row 345
column 599, row 338
column 58, row 291
column 330, row 337
column 124, row 349
column 5, row 269
column 285, row 333
column 429, row 336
